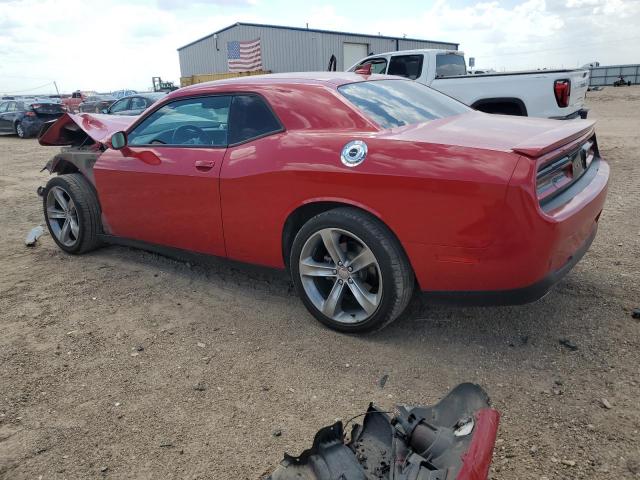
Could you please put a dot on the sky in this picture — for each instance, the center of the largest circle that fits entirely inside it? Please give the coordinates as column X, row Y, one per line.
column 109, row 45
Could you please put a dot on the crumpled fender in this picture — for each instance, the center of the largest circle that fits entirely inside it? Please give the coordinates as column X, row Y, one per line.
column 69, row 128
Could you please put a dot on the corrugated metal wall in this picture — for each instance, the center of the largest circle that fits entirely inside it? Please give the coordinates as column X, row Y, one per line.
column 285, row 50
column 606, row 75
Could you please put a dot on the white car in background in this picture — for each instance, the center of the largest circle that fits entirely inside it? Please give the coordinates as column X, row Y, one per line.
column 556, row 94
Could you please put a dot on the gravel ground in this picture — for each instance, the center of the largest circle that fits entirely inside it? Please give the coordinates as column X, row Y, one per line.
column 126, row 364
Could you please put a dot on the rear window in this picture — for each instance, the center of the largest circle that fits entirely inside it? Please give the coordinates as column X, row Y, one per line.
column 44, row 107
column 394, row 103
column 450, row 65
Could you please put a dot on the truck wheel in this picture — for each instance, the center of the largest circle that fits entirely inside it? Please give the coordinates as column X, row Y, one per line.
column 350, row 271
column 72, row 213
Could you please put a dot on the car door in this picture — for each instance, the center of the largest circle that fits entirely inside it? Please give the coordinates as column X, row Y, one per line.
column 11, row 115
column 163, row 187
column 4, row 121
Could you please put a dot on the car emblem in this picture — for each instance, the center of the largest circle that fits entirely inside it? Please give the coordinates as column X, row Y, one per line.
column 354, row 153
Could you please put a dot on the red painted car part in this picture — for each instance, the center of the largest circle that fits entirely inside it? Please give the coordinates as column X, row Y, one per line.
column 459, row 193
column 477, row 460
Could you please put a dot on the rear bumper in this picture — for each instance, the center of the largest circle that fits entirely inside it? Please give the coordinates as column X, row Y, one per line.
column 534, row 247
column 31, row 125
column 582, row 113
column 516, row 296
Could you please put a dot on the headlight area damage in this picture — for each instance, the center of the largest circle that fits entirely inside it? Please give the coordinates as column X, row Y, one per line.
column 84, row 136
column 452, row 440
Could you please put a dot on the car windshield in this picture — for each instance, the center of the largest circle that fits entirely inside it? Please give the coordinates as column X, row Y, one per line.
column 394, row 103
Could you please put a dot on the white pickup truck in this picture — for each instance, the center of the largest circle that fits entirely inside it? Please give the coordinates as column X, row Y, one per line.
column 556, row 94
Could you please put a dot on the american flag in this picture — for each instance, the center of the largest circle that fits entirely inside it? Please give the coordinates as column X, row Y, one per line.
column 244, row 56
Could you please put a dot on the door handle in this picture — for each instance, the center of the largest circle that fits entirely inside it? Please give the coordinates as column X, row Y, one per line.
column 205, row 165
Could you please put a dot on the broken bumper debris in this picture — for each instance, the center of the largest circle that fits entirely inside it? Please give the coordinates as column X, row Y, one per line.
column 452, row 440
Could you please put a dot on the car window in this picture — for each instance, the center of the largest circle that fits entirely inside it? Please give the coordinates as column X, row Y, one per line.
column 138, row 103
column 198, row 121
column 3, row 107
column 378, row 65
column 409, row 66
column 450, row 65
column 120, row 106
column 394, row 103
column 11, row 107
column 250, row 118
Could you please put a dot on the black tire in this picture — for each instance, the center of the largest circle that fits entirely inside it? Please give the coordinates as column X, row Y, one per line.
column 88, row 212
column 20, row 131
column 398, row 280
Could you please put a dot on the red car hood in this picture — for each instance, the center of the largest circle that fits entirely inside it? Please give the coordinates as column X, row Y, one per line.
column 528, row 136
column 99, row 127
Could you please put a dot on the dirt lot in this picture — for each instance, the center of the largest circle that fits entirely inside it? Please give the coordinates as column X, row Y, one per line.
column 125, row 364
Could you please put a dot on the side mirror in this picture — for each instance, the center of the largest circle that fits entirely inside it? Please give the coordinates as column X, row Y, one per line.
column 105, row 110
column 118, row 140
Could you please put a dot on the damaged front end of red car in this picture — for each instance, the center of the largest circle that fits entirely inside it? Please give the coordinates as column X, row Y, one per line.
column 452, row 440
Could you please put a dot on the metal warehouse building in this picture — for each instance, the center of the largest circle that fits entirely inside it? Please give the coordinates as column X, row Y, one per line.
column 606, row 75
column 290, row 49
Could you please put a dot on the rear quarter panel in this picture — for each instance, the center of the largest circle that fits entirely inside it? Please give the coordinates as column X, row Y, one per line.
column 426, row 194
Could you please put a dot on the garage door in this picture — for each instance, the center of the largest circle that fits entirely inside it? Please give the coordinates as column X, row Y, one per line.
column 353, row 52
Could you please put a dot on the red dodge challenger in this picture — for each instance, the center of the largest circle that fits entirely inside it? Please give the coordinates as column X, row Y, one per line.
column 367, row 188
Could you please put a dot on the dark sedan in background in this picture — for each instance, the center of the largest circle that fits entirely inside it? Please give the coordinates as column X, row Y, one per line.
column 96, row 103
column 134, row 104
column 25, row 117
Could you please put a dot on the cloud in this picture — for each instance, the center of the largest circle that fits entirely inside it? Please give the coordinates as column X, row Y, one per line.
column 182, row 4
column 90, row 45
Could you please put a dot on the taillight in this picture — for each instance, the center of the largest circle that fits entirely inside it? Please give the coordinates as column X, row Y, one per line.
column 589, row 154
column 562, row 91
column 30, row 113
column 554, row 176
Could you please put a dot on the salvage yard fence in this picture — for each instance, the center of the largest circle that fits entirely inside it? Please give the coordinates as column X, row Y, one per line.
column 606, row 75
column 207, row 77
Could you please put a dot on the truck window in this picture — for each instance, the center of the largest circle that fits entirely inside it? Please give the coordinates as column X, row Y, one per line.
column 409, row 66
column 378, row 65
column 450, row 65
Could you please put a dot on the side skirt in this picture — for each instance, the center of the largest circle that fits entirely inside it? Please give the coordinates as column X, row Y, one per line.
column 192, row 257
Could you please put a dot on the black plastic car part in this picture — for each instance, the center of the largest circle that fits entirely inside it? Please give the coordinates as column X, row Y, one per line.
column 453, row 439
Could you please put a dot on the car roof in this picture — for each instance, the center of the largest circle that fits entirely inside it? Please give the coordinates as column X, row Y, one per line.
column 332, row 79
column 415, row 51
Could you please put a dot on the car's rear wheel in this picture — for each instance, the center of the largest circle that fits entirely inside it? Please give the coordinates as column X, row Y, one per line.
column 72, row 213
column 20, row 131
column 350, row 271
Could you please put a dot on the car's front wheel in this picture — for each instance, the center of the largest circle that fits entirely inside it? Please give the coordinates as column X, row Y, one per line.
column 72, row 213
column 350, row 271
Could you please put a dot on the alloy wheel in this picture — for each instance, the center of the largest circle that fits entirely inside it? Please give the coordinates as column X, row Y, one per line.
column 19, row 130
column 340, row 275
column 62, row 216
